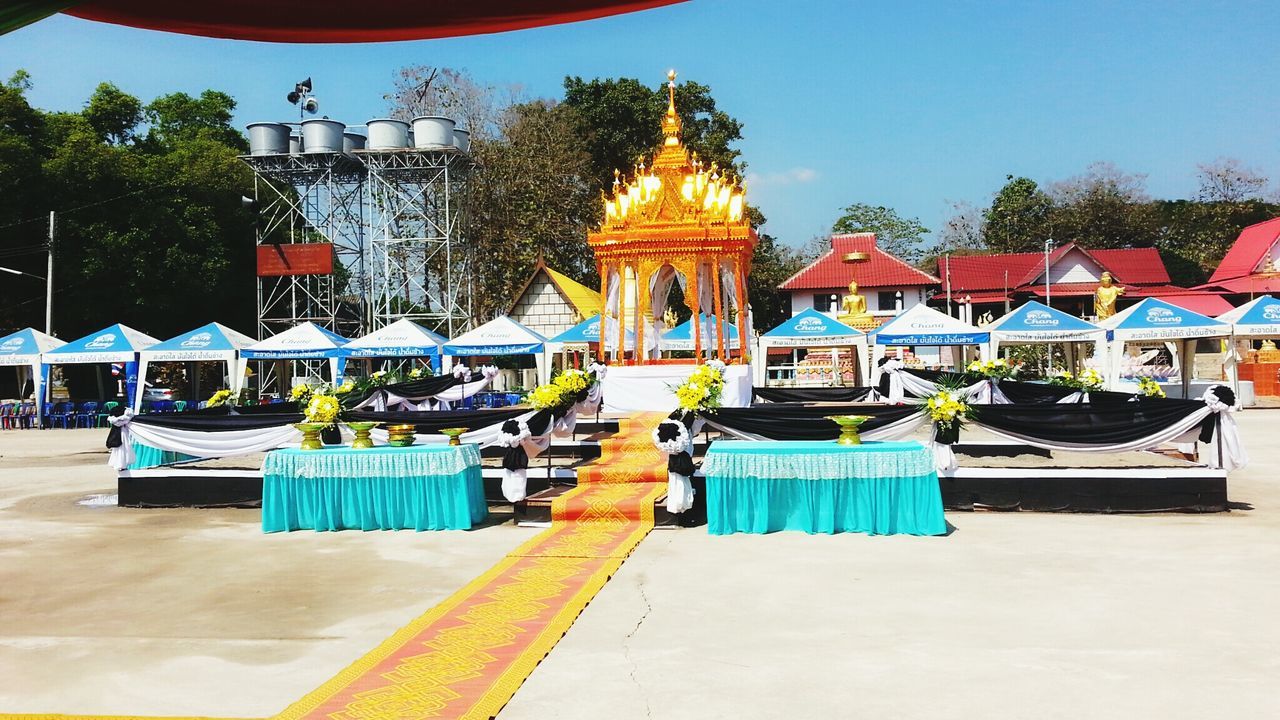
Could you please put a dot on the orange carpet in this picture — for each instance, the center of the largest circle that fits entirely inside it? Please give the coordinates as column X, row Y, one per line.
column 466, row 657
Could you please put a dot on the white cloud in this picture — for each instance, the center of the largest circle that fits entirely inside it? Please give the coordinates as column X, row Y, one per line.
column 794, row 176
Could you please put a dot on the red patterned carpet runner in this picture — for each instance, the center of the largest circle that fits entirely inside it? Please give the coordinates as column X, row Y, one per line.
column 466, row 657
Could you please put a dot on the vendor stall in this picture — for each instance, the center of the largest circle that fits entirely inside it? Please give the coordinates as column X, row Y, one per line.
column 115, row 344
column 1258, row 319
column 401, row 339
column 812, row 329
column 1037, row 323
column 305, row 341
column 213, row 342
column 1156, row 321
column 921, row 325
column 502, row 336
column 22, row 350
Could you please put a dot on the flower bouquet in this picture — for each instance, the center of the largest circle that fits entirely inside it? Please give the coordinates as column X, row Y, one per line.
column 948, row 411
column 1148, row 387
column 1088, row 380
column 998, row 369
column 218, row 399
column 702, row 389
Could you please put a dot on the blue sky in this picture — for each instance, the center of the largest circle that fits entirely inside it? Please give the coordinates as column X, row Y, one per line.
column 910, row 105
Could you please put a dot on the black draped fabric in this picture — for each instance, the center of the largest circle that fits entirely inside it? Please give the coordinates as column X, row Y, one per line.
column 430, row 422
column 933, row 376
column 804, row 422
column 817, row 394
column 680, row 463
column 218, row 422
column 1087, row 423
column 280, row 408
column 515, row 458
column 420, row 388
column 1029, row 393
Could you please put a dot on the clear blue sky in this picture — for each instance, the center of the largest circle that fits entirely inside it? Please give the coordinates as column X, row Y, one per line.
column 908, row 105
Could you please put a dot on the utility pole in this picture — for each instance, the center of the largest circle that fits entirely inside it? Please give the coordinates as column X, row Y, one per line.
column 48, row 281
column 1048, row 243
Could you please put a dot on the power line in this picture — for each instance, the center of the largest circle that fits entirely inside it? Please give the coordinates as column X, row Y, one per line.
column 45, row 219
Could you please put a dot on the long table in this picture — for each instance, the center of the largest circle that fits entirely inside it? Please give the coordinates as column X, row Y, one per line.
column 421, row 487
column 878, row 488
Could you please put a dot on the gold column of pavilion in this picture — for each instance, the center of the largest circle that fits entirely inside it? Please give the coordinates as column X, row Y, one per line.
column 676, row 212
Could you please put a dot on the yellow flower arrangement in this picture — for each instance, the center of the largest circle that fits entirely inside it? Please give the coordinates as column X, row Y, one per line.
column 998, row 369
column 547, row 396
column 1088, row 379
column 415, row 373
column 701, row 390
column 346, row 387
column 1150, row 388
column 573, row 382
column 219, row 398
column 323, row 409
column 300, row 392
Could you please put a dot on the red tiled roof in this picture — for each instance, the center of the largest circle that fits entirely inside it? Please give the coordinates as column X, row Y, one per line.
column 1203, row 303
column 1247, row 251
column 969, row 273
column 882, row 270
column 1250, row 284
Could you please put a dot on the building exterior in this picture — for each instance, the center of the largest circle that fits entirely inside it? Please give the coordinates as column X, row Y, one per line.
column 994, row 284
column 552, row 302
column 1252, row 266
column 888, row 284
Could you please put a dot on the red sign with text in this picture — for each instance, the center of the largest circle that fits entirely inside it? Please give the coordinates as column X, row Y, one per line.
column 299, row 259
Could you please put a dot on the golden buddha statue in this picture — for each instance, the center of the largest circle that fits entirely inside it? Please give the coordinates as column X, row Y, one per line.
column 853, row 307
column 1104, row 298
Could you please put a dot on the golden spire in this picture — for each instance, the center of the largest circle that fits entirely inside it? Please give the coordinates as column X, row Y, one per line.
column 671, row 123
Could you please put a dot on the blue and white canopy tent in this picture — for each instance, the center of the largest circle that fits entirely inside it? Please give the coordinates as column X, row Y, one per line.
column 1037, row 323
column 403, row 338
column 304, row 341
column 1258, row 318
column 502, row 336
column 921, row 325
column 1155, row 320
column 812, row 329
column 115, row 344
column 213, row 342
column 681, row 336
column 587, row 333
column 22, row 350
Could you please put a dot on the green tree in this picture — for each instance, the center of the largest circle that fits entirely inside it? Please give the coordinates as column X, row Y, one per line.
column 113, row 113
column 1103, row 208
column 1019, row 217
column 771, row 264
column 896, row 235
column 620, row 120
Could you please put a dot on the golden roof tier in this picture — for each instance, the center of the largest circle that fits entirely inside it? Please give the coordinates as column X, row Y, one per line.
column 675, row 216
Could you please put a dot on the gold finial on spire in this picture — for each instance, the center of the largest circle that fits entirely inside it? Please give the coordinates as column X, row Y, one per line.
column 671, row 123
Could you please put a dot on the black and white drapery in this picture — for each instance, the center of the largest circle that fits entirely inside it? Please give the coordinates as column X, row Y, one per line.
column 674, row 437
column 523, row 440
column 817, row 394
column 807, row 422
column 435, row 393
column 205, row 436
column 898, row 383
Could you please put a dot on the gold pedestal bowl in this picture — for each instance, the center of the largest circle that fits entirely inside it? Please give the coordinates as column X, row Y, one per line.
column 848, row 428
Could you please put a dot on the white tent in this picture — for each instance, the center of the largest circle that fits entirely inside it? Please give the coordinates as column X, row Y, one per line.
column 502, row 336
column 22, row 350
column 1155, row 320
column 1037, row 323
column 115, row 344
column 921, row 325
column 212, row 342
column 401, row 339
column 812, row 329
column 304, row 341
column 1258, row 318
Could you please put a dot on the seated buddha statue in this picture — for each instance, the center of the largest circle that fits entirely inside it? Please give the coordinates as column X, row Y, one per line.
column 854, row 308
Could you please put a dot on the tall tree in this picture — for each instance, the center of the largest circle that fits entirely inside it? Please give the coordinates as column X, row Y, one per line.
column 772, row 263
column 896, row 235
column 621, row 122
column 1227, row 180
column 1018, row 218
column 1103, row 208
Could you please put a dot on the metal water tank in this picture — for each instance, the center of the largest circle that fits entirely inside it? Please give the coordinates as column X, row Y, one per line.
column 321, row 135
column 352, row 141
column 387, row 134
column 462, row 139
column 268, row 138
column 432, row 132
column 295, row 143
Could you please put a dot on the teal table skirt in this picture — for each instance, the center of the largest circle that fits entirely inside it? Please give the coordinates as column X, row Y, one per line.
column 421, row 487
column 145, row 456
column 878, row 488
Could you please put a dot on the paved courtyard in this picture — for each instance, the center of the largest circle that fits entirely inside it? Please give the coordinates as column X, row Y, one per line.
column 108, row 610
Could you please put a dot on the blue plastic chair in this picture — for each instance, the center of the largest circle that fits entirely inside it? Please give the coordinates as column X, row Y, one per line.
column 87, row 415
column 7, row 415
column 62, row 414
column 46, row 416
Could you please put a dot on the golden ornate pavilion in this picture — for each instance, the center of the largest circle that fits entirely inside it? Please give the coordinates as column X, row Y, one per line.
column 675, row 217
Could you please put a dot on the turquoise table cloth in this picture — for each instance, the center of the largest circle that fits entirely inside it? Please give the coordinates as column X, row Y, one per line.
column 878, row 488
column 145, row 456
column 421, row 487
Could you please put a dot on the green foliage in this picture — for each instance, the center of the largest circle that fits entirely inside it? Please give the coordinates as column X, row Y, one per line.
column 150, row 231
column 895, row 234
column 1018, row 218
column 771, row 265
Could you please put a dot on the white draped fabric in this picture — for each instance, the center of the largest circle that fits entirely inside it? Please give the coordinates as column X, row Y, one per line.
column 205, row 444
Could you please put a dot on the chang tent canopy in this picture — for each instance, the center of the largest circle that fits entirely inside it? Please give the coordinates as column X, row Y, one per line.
column 812, row 329
column 115, row 344
column 1258, row 318
column 22, row 350
column 1037, row 323
column 921, row 325
column 502, row 336
column 681, row 336
column 305, row 341
column 587, row 332
column 208, row 343
column 1154, row 320
column 401, row 339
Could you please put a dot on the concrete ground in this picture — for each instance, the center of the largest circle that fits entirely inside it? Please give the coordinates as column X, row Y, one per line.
column 113, row 610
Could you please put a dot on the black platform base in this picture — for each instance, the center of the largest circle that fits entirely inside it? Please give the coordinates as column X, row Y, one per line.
column 191, row 489
column 1115, row 490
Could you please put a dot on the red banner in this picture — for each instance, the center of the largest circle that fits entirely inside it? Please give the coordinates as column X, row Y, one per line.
column 298, row 259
